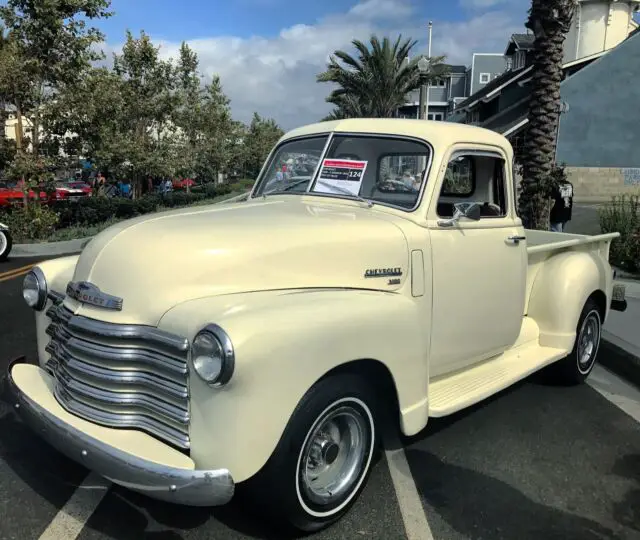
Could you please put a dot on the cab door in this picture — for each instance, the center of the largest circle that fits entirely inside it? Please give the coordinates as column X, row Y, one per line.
column 479, row 266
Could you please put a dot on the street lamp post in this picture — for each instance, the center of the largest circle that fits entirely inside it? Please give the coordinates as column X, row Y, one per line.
column 423, row 68
column 426, row 113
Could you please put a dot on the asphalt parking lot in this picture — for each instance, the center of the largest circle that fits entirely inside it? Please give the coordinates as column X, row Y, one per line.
column 535, row 462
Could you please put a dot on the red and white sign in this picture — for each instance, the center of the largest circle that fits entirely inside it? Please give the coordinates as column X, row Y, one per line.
column 345, row 174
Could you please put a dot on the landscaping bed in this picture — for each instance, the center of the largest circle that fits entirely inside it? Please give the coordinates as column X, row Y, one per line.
column 84, row 218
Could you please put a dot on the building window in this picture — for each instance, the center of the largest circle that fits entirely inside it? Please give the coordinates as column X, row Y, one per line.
column 519, row 60
column 485, row 78
column 439, row 117
column 438, row 83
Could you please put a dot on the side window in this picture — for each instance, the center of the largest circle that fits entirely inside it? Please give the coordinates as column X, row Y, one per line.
column 477, row 178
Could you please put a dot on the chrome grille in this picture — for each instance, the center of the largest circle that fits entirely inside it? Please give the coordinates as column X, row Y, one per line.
column 120, row 376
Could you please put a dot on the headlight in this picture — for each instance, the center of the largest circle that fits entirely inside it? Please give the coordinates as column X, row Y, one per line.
column 34, row 289
column 212, row 355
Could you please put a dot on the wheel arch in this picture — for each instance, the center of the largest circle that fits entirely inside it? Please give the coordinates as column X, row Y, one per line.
column 561, row 289
column 284, row 344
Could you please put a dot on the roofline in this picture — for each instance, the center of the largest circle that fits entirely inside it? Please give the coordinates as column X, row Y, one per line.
column 516, row 127
column 585, row 59
column 507, row 83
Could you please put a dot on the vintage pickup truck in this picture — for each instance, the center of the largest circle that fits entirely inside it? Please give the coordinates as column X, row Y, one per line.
column 377, row 269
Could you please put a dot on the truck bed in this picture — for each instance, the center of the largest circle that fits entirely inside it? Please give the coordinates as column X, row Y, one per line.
column 547, row 241
column 542, row 245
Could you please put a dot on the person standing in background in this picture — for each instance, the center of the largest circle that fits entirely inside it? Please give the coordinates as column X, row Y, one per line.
column 562, row 196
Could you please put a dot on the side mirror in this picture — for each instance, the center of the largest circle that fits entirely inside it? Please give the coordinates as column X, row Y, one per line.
column 469, row 210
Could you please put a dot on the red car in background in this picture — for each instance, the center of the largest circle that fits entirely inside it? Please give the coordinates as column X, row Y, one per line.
column 183, row 183
column 71, row 190
column 11, row 195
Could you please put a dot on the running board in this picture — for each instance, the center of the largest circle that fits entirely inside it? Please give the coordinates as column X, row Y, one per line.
column 451, row 393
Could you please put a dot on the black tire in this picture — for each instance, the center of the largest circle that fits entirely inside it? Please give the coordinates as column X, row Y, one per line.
column 4, row 253
column 280, row 491
column 574, row 369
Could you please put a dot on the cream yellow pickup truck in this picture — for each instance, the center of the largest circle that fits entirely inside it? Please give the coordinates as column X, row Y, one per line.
column 377, row 269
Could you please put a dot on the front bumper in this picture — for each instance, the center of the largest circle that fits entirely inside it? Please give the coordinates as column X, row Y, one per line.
column 163, row 473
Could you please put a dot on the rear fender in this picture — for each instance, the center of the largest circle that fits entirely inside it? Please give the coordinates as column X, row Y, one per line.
column 560, row 291
column 284, row 342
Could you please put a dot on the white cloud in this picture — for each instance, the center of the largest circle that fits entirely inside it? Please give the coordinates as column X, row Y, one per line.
column 483, row 4
column 276, row 76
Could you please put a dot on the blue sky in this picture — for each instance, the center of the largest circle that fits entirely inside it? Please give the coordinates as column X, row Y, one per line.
column 268, row 52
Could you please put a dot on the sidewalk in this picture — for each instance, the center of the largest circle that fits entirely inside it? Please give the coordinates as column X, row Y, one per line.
column 620, row 350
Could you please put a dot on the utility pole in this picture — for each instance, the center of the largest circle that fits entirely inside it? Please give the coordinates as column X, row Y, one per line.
column 426, row 113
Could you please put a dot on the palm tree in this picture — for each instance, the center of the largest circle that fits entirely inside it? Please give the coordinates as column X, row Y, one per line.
column 376, row 83
column 550, row 21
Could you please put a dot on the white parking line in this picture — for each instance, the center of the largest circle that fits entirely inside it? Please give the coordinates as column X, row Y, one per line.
column 73, row 516
column 616, row 390
column 415, row 521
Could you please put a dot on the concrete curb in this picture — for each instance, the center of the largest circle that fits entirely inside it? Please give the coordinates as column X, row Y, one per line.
column 48, row 249
column 70, row 247
column 616, row 355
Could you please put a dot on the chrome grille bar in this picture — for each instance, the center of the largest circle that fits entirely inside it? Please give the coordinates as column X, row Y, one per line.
column 121, row 376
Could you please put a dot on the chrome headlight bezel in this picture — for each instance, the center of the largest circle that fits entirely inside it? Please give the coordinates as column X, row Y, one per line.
column 42, row 289
column 228, row 360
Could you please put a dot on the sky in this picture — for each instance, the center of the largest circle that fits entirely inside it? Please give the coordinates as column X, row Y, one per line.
column 268, row 52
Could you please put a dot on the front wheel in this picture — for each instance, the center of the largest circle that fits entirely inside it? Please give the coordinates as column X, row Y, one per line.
column 575, row 368
column 5, row 244
column 322, row 462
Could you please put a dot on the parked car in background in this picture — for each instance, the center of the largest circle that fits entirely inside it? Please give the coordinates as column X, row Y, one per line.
column 70, row 190
column 6, row 242
column 12, row 195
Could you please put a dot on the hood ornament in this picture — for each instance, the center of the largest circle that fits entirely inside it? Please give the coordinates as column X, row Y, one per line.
column 87, row 293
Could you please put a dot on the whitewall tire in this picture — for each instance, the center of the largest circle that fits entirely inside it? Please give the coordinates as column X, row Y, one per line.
column 324, row 458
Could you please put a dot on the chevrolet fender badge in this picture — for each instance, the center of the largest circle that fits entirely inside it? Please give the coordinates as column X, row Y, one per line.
column 382, row 272
column 88, row 293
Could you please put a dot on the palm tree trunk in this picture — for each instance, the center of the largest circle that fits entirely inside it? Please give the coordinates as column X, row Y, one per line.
column 550, row 20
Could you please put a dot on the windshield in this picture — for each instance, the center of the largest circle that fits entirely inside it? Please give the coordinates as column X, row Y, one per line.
column 381, row 169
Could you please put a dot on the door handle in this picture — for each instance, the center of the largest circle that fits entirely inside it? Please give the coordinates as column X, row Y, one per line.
column 516, row 239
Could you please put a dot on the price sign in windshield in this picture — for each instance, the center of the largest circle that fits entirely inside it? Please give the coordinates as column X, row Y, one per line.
column 342, row 174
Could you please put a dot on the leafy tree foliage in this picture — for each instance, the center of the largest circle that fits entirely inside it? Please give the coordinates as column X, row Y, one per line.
column 377, row 81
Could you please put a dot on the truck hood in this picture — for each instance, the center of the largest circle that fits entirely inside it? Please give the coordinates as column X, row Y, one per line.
column 155, row 262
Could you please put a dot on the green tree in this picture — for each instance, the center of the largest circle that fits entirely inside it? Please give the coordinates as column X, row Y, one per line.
column 218, row 133
column 52, row 46
column 550, row 20
column 377, row 81
column 258, row 141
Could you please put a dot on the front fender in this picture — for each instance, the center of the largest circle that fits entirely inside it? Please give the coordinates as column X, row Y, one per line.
column 560, row 290
column 284, row 342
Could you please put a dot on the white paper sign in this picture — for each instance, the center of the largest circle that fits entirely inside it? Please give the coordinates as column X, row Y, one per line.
column 342, row 174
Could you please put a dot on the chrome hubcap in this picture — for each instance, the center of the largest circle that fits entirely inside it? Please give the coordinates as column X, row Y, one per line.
column 3, row 242
column 588, row 342
column 334, row 455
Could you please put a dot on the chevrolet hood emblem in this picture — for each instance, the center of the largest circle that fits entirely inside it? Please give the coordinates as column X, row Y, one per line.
column 87, row 293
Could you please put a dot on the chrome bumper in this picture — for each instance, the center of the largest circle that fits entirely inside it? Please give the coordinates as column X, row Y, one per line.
column 182, row 486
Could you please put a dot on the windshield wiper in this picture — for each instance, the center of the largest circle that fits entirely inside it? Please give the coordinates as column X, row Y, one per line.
column 287, row 187
column 344, row 191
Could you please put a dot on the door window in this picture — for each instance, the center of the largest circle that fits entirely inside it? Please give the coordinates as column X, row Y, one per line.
column 477, row 178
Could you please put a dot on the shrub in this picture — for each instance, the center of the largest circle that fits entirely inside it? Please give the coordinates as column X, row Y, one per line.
column 33, row 222
column 622, row 214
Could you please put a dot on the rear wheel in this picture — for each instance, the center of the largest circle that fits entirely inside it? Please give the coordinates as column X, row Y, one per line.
column 324, row 457
column 5, row 244
column 576, row 367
